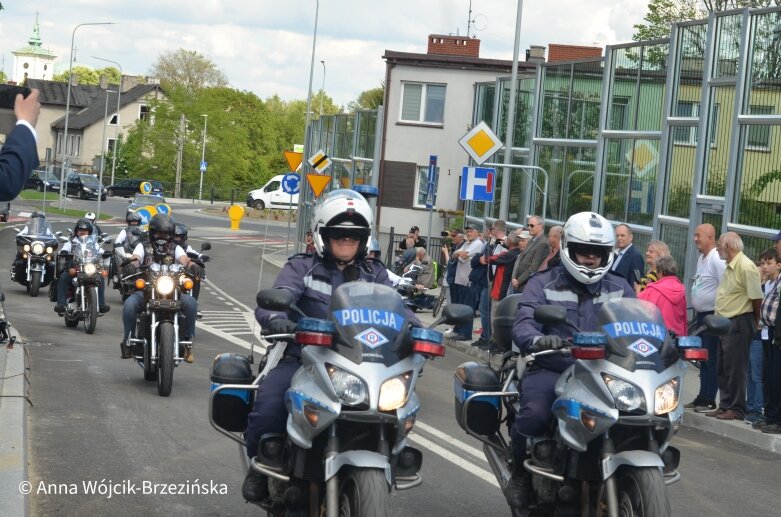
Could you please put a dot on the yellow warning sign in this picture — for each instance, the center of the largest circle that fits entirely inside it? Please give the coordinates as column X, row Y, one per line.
column 480, row 143
column 293, row 160
column 318, row 182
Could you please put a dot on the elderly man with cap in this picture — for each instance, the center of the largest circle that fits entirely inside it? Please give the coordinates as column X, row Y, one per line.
column 414, row 234
column 460, row 289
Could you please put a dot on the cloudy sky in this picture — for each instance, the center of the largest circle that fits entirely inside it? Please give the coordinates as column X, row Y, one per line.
column 265, row 46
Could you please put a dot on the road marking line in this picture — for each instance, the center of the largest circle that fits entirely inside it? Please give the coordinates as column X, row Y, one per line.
column 477, row 453
column 454, row 459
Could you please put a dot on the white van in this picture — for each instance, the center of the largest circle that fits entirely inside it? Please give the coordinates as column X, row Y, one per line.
column 271, row 195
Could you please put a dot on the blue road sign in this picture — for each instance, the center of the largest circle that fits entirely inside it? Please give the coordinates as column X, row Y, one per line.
column 145, row 214
column 432, row 175
column 203, row 166
column 477, row 184
column 291, row 183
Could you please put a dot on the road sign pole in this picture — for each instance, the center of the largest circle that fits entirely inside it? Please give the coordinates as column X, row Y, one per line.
column 289, row 218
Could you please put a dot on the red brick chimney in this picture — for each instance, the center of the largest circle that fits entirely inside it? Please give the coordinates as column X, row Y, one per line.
column 558, row 52
column 453, row 45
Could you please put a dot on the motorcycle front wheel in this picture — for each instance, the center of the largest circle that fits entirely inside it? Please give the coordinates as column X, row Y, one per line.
column 364, row 493
column 35, row 283
column 91, row 310
column 165, row 359
column 642, row 493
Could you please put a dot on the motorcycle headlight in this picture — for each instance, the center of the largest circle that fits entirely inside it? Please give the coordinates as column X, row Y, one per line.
column 49, row 250
column 38, row 248
column 393, row 392
column 90, row 269
column 626, row 395
column 26, row 247
column 666, row 396
column 164, row 285
column 350, row 389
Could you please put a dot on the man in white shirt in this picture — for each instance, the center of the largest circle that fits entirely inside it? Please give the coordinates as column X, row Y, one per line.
column 710, row 269
column 460, row 291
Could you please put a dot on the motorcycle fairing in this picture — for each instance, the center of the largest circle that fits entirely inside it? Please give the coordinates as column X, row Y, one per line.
column 371, row 323
column 636, row 335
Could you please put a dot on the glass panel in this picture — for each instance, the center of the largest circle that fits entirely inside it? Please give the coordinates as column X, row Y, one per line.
column 638, row 96
column 691, row 59
column 759, row 182
column 754, row 246
column 570, row 184
column 486, row 94
column 523, row 111
column 556, row 88
column 343, row 144
column 366, row 133
column 435, row 103
column 410, row 107
column 652, row 84
column 517, row 180
column 583, row 120
column 677, row 239
column 765, row 63
column 678, row 194
column 718, row 152
column 630, row 182
column 727, row 45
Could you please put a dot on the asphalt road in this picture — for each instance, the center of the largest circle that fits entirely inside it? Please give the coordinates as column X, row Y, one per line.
column 95, row 420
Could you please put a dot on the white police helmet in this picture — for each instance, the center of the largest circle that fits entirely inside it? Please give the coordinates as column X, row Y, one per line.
column 587, row 233
column 342, row 212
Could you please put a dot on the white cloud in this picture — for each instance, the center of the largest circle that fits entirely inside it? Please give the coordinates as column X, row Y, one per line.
column 266, row 46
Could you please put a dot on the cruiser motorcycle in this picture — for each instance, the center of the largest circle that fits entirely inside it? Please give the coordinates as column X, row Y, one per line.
column 87, row 270
column 158, row 342
column 617, row 408
column 134, row 236
column 351, row 405
column 34, row 266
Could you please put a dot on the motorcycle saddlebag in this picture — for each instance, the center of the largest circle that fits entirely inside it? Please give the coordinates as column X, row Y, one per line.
column 503, row 322
column 483, row 415
column 231, row 407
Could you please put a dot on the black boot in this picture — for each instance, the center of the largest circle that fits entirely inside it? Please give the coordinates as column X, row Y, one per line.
column 518, row 493
column 255, row 487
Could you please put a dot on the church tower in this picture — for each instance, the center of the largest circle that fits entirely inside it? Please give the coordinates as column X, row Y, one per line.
column 33, row 61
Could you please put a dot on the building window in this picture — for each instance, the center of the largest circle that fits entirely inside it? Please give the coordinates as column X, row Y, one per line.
column 143, row 112
column 758, row 138
column 74, row 145
column 423, row 103
column 111, row 143
column 421, row 187
column 688, row 135
column 113, row 120
column 58, row 147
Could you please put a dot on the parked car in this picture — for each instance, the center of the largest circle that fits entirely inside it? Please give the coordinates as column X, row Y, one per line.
column 271, row 195
column 5, row 209
column 84, row 186
column 131, row 187
column 142, row 200
column 40, row 179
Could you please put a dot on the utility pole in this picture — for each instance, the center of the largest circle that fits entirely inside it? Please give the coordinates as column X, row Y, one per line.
column 179, row 155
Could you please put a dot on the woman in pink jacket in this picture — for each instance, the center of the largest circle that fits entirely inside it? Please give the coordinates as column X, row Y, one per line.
column 669, row 294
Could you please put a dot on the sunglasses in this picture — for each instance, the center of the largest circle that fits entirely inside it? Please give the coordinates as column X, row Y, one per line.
column 531, row 225
column 341, row 235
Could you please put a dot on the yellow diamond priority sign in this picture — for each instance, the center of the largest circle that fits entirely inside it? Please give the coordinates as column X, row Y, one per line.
column 480, row 143
column 320, row 161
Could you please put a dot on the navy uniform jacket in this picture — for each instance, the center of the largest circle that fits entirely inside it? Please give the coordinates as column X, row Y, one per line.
column 18, row 158
column 556, row 287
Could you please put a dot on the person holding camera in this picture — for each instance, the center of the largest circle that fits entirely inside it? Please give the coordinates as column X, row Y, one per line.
column 19, row 154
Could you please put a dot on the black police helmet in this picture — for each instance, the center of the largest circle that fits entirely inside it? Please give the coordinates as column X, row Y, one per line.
column 133, row 219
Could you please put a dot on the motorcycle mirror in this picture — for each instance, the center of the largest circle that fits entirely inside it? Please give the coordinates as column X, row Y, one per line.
column 104, row 236
column 58, row 234
column 206, row 246
column 275, row 300
column 717, row 325
column 550, row 314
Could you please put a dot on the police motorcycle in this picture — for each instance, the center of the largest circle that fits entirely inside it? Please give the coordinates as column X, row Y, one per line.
column 350, row 406
column 86, row 258
column 414, row 298
column 34, row 264
column 617, row 408
column 159, row 342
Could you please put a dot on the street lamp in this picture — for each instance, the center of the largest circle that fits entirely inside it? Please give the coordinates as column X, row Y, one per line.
column 103, row 152
column 302, row 198
column 63, row 184
column 322, row 90
column 203, row 156
column 116, row 129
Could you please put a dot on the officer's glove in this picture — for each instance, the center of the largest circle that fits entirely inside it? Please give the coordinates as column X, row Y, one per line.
column 205, row 258
column 548, row 343
column 279, row 326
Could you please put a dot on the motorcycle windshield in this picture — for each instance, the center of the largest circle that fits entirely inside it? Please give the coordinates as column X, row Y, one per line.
column 86, row 249
column 40, row 228
column 636, row 335
column 371, row 323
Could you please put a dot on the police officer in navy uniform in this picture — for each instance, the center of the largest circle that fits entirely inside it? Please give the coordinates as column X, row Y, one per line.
column 581, row 284
column 342, row 229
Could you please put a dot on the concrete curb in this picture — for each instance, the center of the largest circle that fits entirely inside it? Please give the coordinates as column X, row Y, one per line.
column 13, row 446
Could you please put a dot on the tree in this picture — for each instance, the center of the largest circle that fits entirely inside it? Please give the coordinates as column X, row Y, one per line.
column 188, row 70
column 662, row 14
column 368, row 99
column 89, row 76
